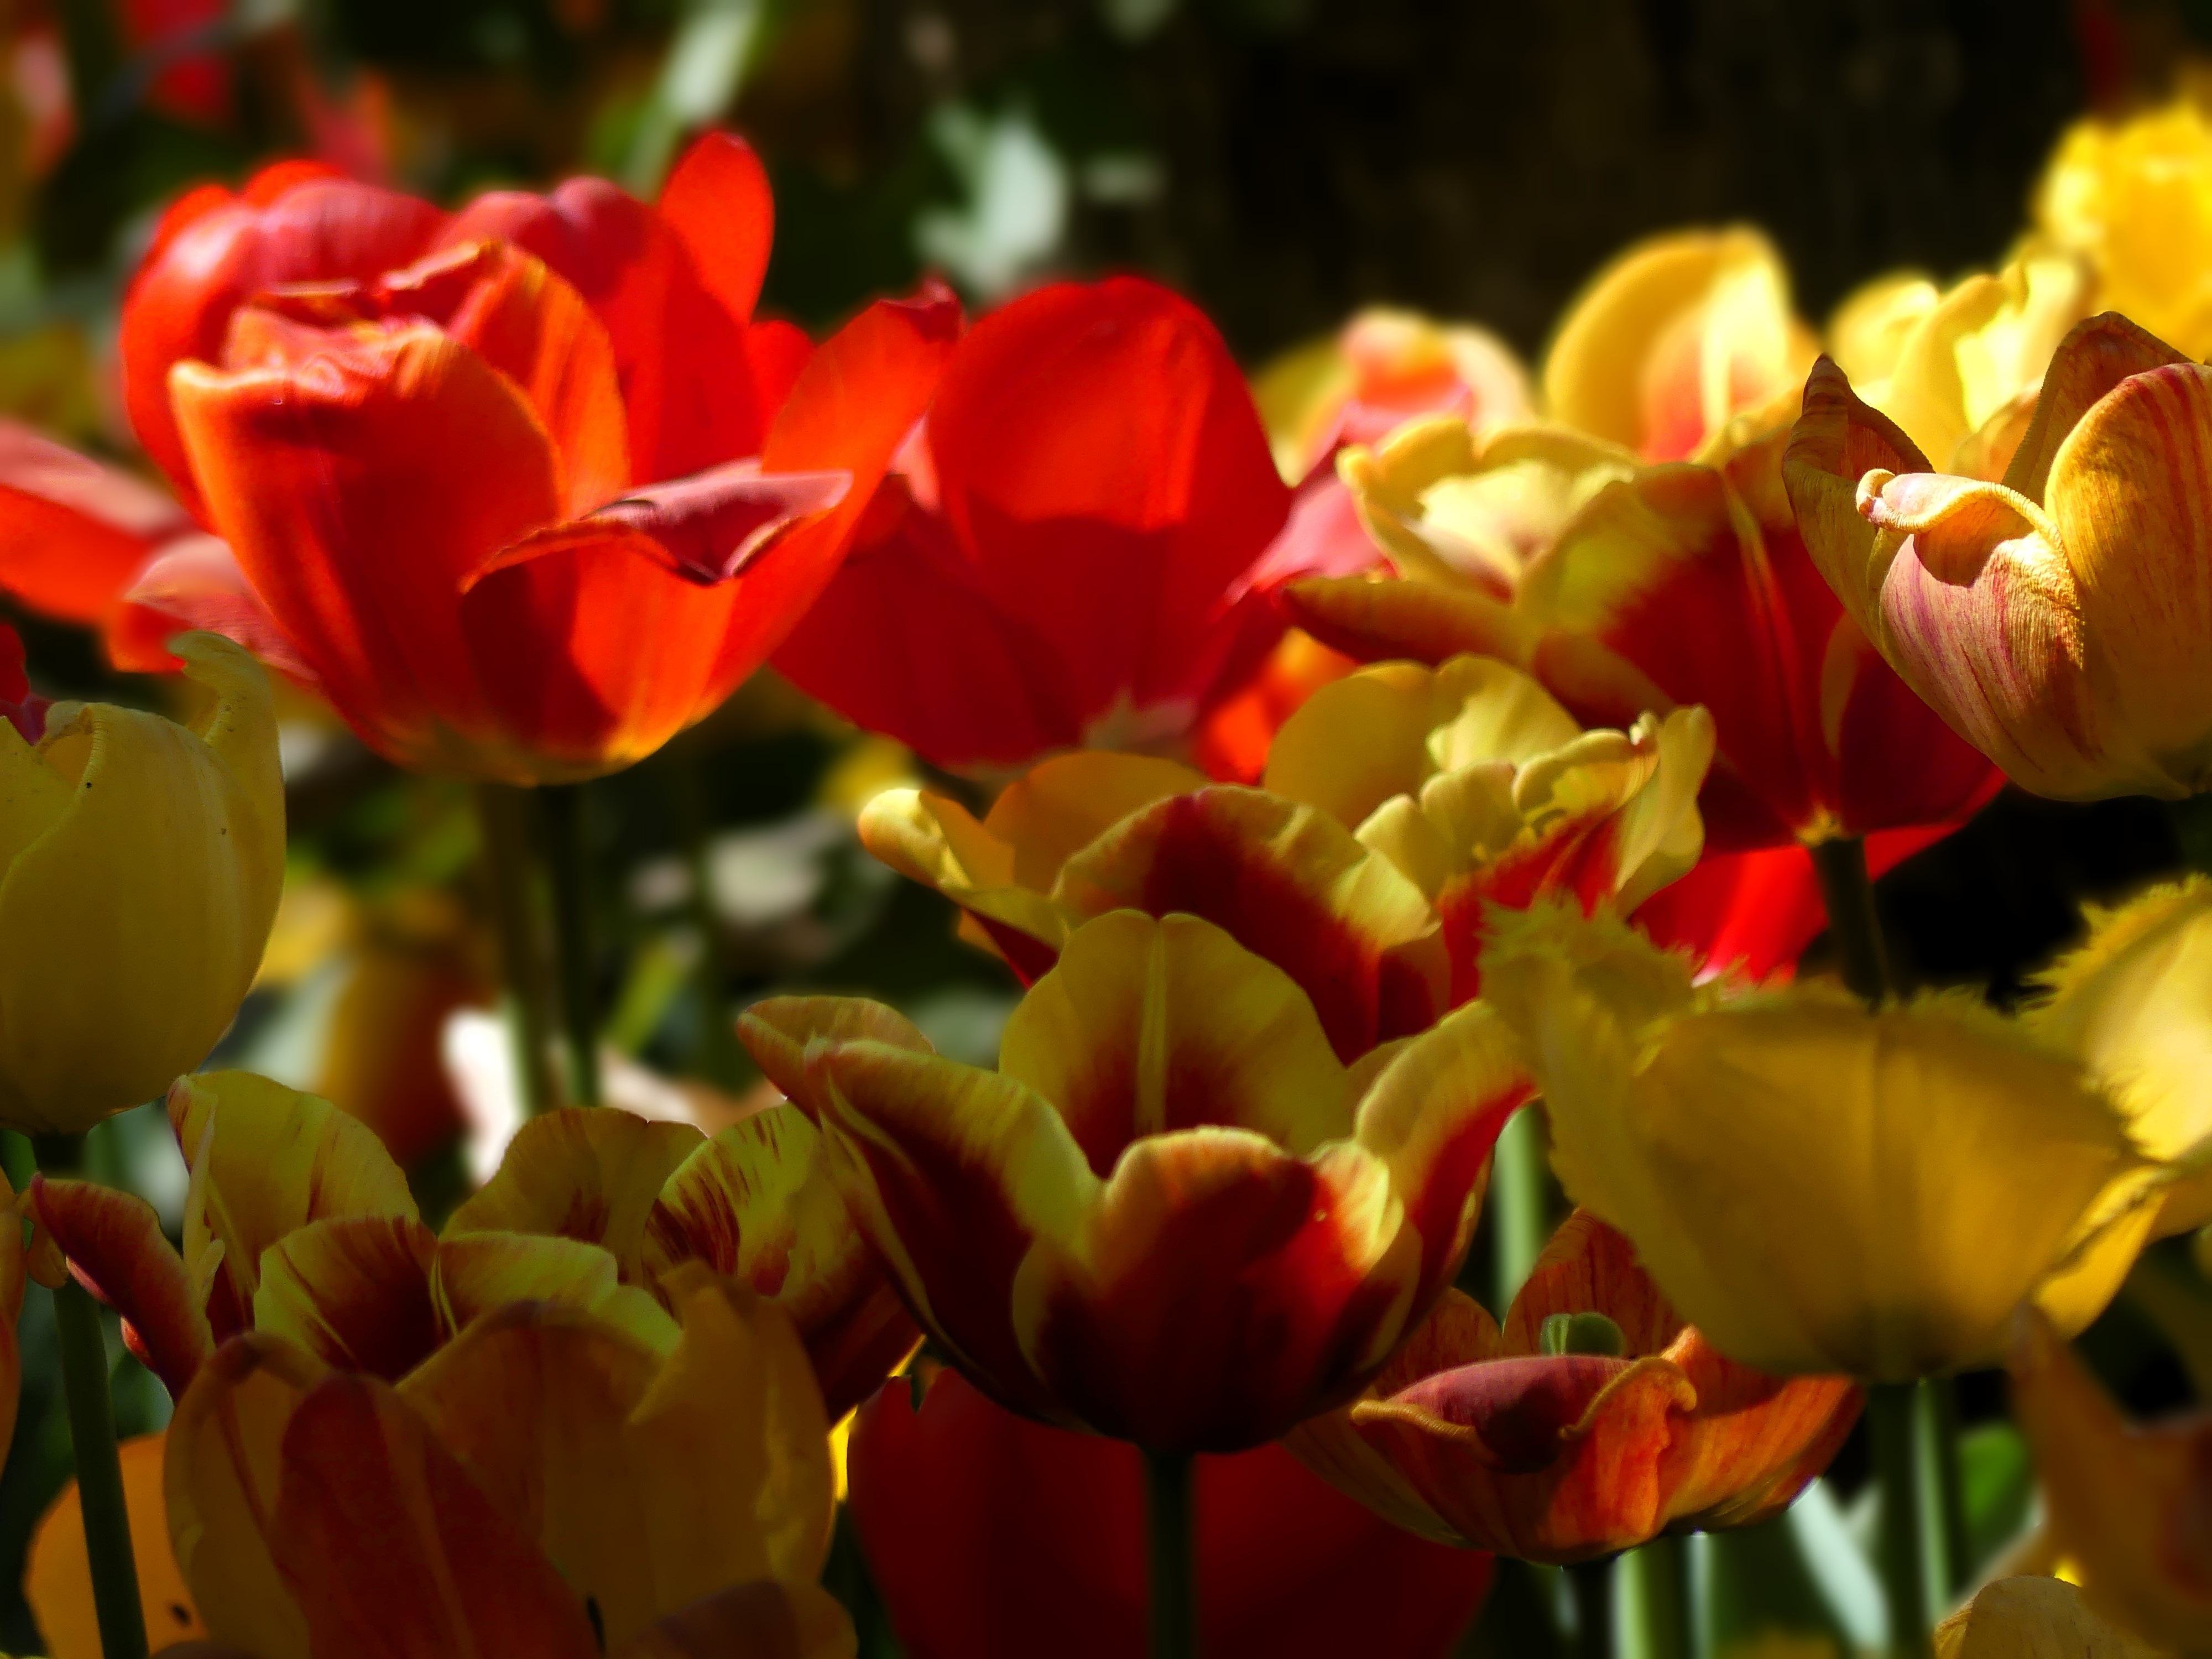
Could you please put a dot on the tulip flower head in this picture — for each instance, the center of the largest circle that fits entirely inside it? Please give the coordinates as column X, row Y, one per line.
column 142, row 858
column 2126, row 1502
column 1593, row 1421
column 2060, row 621
column 1820, row 1188
column 1172, row 1215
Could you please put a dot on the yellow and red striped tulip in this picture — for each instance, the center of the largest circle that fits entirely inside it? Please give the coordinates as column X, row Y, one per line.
column 1172, row 1215
column 1817, row 1188
column 1476, row 1435
column 2060, row 621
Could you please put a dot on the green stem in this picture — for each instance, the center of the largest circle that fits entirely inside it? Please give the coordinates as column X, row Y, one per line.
column 1848, row 894
column 1171, row 1510
column 1901, row 1555
column 91, row 1439
column 2192, row 830
column 1592, row 1583
column 572, row 933
column 503, row 840
column 1945, row 1515
column 1655, row 1590
column 719, row 1057
column 1520, row 1201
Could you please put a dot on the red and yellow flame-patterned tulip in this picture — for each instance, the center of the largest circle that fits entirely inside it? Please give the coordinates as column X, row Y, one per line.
column 1817, row 1187
column 2134, row 198
column 143, row 859
column 2060, row 621
column 1674, row 340
column 2133, row 1004
column 436, row 488
column 1472, row 780
column 993, row 1537
column 1067, row 556
column 2125, row 1502
column 1681, row 584
column 1957, row 369
column 1173, row 1214
column 564, row 1487
column 1481, row 1437
column 2033, row 1618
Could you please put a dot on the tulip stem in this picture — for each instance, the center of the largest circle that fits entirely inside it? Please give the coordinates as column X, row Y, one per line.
column 91, row 1440
column 1655, row 1592
column 1592, row 1583
column 1519, row 1203
column 503, row 840
column 1170, row 1505
column 1848, row 894
column 1947, row 1548
column 1901, row 1554
column 572, row 933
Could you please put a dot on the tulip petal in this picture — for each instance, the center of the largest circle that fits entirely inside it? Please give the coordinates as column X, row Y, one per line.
column 582, row 1173
column 114, row 1242
column 278, row 1160
column 354, row 1291
column 451, row 1573
column 72, row 530
column 57, row 1574
column 1374, row 620
column 175, row 828
column 478, row 1273
column 779, row 1032
column 756, row 1204
column 195, row 582
column 2092, row 361
column 224, row 1469
column 717, row 201
column 713, row 524
column 1286, row 882
column 2033, row 1617
column 764, row 1620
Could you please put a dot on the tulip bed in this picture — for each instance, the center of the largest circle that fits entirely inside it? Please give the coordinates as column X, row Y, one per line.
column 1391, row 1119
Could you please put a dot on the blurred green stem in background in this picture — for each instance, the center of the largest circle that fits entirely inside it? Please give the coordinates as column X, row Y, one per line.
column 1171, row 1538
column 716, row 41
column 504, row 845
column 1900, row 1552
column 1654, row 1585
column 1852, row 919
column 92, row 1442
column 1520, row 1202
column 719, row 1058
column 568, row 840
column 1592, row 1582
column 1943, row 1516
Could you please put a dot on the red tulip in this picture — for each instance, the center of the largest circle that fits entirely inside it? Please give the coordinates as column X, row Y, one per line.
column 992, row 1537
column 1069, row 555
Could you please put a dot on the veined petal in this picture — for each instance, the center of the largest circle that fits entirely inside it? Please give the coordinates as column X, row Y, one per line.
column 478, row 1273
column 114, row 1241
column 354, row 1291
column 2030, row 1617
column 1288, row 883
column 1376, row 621
column 717, row 201
column 779, row 1031
column 2090, row 362
column 589, row 1174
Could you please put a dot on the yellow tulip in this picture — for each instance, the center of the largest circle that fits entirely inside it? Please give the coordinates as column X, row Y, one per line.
column 2126, row 1503
column 1817, row 1187
column 2061, row 621
column 2134, row 197
column 2135, row 1003
column 143, row 859
column 1959, row 370
column 1674, row 340
column 2032, row 1618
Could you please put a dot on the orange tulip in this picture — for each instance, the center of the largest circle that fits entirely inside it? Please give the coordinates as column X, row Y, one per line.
column 992, row 1537
column 1173, row 1215
column 1486, row 1437
column 57, row 1575
column 543, row 1485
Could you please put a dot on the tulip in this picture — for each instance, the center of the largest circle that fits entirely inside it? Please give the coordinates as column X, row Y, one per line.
column 1173, row 1215
column 143, row 860
column 1817, row 1187
column 1959, row 370
column 1674, row 340
column 1231, row 742
column 1473, row 780
column 1488, row 1438
column 429, row 484
column 2134, row 198
column 992, row 1537
column 2061, row 621
column 2125, row 1502
column 563, row 1488
column 57, row 1575
column 1067, row 556
column 2032, row 1618
column 2133, row 1004
column 1620, row 616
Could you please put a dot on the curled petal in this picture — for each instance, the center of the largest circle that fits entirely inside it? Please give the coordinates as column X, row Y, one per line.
column 354, row 1291
column 114, row 1242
